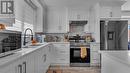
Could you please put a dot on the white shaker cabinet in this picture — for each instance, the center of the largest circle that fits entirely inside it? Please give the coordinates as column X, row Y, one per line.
column 57, row 20
column 25, row 64
column 110, row 11
column 42, row 59
column 46, row 63
column 28, row 63
column 11, row 68
column 61, row 54
column 17, row 66
column 94, row 54
column 37, row 61
column 78, row 14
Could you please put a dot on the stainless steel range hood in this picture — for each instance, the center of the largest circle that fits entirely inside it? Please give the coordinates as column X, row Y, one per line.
column 78, row 23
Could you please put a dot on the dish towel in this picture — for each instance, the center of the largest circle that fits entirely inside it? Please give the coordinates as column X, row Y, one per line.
column 83, row 52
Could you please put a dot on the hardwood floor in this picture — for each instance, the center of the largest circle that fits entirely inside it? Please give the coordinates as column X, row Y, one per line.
column 65, row 69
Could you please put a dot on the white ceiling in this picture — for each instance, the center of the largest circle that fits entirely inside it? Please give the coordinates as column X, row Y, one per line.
column 73, row 3
column 70, row 3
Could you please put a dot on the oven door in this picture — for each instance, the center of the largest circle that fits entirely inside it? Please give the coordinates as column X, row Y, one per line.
column 75, row 56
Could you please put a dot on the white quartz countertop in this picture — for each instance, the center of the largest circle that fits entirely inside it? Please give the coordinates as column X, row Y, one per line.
column 19, row 54
column 121, row 56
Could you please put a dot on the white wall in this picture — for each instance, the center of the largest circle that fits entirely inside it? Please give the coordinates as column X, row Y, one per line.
column 24, row 16
column 94, row 24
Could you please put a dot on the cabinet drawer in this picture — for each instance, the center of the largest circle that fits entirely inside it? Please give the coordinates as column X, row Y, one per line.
column 60, row 51
column 66, row 56
column 63, row 52
column 64, row 46
column 95, row 55
column 61, row 60
column 95, row 61
column 95, row 48
column 95, row 64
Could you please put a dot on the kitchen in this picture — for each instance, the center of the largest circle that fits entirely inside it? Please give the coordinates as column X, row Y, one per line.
column 63, row 36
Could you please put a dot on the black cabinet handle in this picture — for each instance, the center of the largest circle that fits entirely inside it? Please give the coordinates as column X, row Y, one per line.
column 24, row 67
column 20, row 68
column 45, row 58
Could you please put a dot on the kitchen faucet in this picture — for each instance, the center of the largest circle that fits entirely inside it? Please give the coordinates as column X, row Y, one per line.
column 24, row 42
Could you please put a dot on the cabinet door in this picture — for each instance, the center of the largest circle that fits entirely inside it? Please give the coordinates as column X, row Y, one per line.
column 61, row 53
column 40, row 59
column 78, row 14
column 95, row 56
column 48, row 55
column 46, row 58
column 28, row 63
column 8, row 69
column 105, row 12
column 109, row 11
column 12, row 67
column 57, row 21
column 53, row 54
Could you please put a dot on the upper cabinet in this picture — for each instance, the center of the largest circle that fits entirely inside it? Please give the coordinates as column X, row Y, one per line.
column 78, row 14
column 108, row 11
column 57, row 20
column 111, row 8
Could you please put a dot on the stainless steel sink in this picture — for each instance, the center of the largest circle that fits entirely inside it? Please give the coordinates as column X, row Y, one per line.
column 36, row 45
column 29, row 47
column 32, row 46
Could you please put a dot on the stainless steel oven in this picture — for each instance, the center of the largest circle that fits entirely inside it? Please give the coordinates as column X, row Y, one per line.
column 75, row 51
column 10, row 42
column 76, row 59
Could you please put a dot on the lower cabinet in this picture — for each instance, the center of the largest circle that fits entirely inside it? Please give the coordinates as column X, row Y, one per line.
column 34, row 62
column 11, row 68
column 95, row 55
column 28, row 63
column 60, row 54
column 21, row 65
column 39, row 60
column 42, row 60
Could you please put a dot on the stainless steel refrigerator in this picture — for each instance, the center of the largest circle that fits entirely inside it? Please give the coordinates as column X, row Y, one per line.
column 114, row 34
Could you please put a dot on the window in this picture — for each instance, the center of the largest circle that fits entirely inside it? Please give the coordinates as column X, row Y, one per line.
column 16, row 26
column 25, row 19
column 28, row 17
